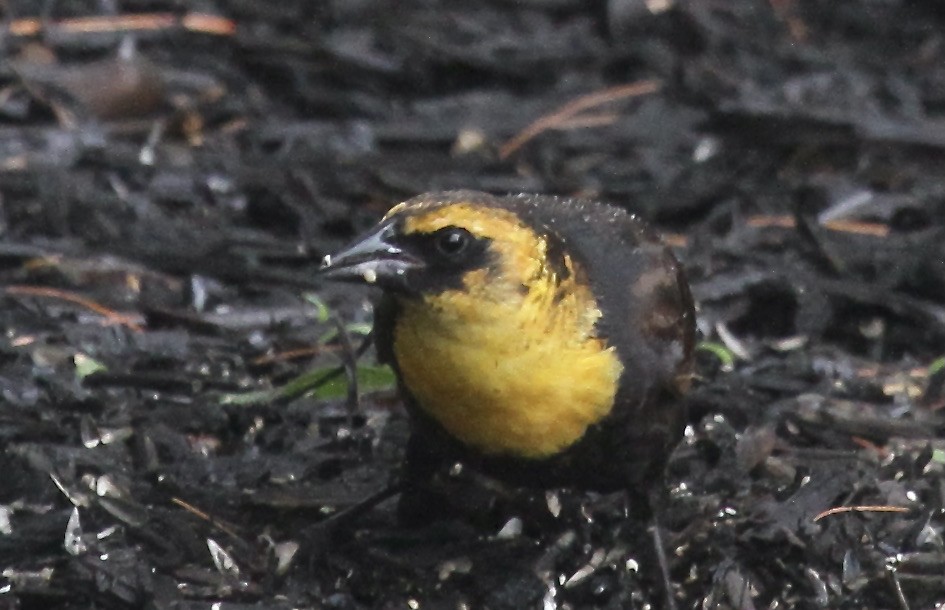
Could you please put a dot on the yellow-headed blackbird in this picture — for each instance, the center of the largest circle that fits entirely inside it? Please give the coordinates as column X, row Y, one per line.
column 544, row 341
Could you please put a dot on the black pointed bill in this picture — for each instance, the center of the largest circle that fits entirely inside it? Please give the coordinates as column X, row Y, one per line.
column 374, row 258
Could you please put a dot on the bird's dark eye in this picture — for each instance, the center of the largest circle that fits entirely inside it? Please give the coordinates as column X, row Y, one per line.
column 452, row 241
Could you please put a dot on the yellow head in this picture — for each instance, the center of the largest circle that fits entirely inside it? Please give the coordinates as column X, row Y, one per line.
column 494, row 335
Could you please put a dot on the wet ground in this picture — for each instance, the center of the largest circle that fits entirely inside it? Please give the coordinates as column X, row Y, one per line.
column 172, row 172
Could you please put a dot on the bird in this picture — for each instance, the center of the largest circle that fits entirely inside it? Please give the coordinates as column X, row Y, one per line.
column 543, row 341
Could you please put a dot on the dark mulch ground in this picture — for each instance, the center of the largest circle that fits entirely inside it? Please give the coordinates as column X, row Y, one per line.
column 162, row 215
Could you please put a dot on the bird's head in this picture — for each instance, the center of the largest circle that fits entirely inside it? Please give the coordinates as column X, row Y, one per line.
column 460, row 241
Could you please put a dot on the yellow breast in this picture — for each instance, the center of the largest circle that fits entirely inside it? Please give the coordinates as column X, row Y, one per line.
column 506, row 367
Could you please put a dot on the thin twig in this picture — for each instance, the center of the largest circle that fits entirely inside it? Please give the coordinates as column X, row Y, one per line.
column 565, row 117
column 862, row 509
column 875, row 229
column 131, row 321
column 223, row 527
column 869, row 445
column 194, row 22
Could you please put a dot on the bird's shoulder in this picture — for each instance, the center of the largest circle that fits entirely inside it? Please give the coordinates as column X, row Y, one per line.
column 638, row 283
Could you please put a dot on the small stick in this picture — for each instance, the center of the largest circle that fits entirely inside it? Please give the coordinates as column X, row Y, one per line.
column 190, row 508
column 566, row 116
column 861, row 509
column 143, row 22
column 875, row 229
column 133, row 322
